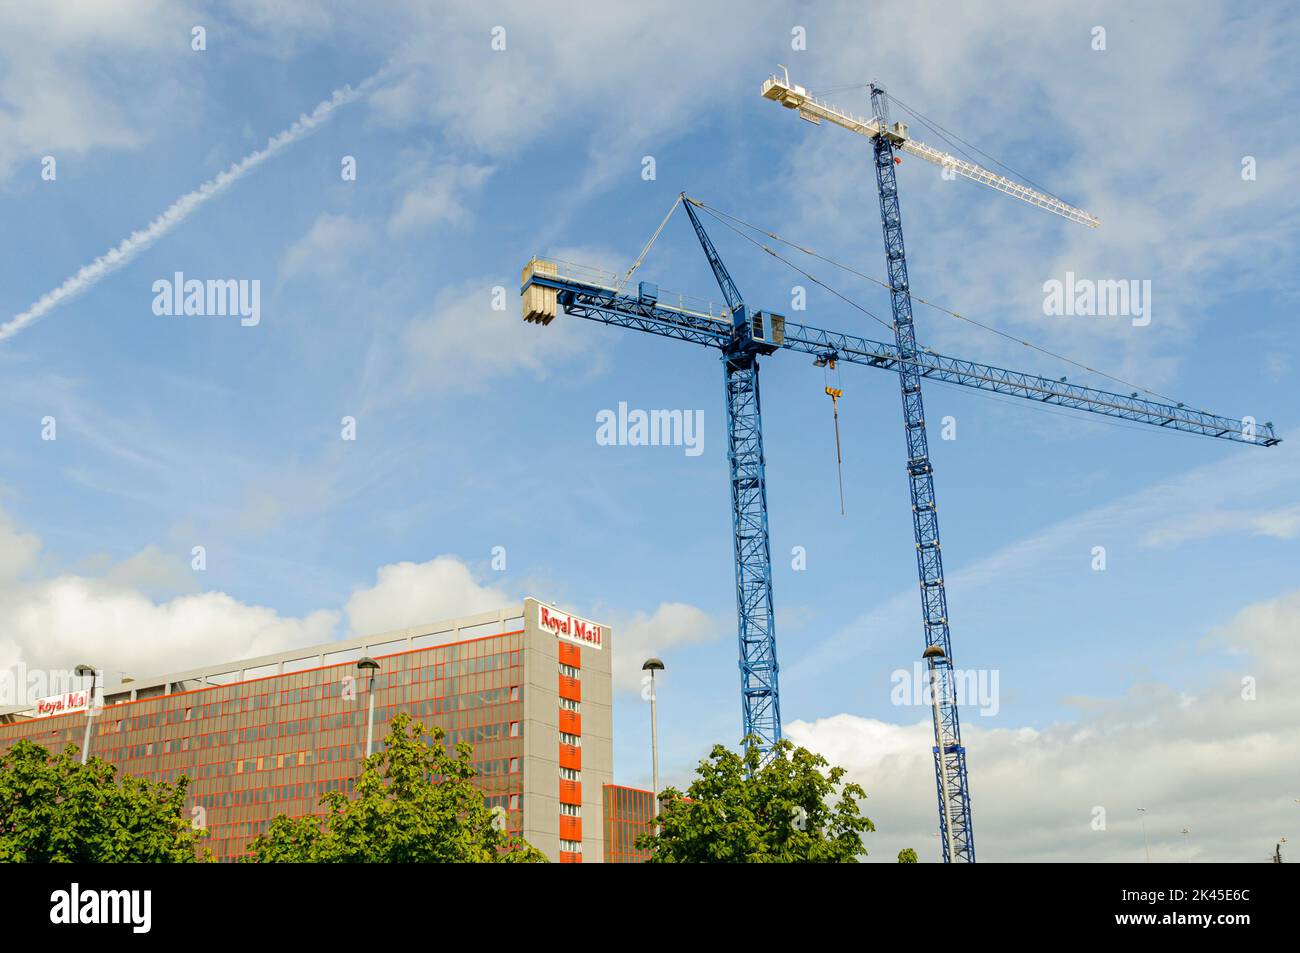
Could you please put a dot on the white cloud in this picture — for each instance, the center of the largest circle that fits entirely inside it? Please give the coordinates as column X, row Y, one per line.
column 116, row 619
column 80, row 76
column 438, row 199
column 62, row 622
column 1281, row 523
column 1208, row 760
column 547, row 79
column 17, row 550
column 462, row 343
column 408, row 594
column 325, row 247
column 640, row 636
column 154, row 573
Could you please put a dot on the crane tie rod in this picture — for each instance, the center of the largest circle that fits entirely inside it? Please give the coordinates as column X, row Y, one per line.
column 650, row 244
column 720, row 216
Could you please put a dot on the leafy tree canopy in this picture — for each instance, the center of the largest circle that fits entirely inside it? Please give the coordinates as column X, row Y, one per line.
column 907, row 856
column 415, row 803
column 53, row 809
column 792, row 809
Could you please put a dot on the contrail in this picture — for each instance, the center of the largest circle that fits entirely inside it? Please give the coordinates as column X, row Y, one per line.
column 180, row 210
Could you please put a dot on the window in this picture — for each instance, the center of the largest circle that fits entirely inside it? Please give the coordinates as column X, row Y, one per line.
column 514, row 765
column 514, row 802
column 514, row 729
column 568, row 739
column 570, row 671
column 571, row 810
column 569, row 774
column 571, row 846
column 514, row 693
column 568, row 704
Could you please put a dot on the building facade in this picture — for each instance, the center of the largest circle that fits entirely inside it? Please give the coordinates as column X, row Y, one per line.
column 628, row 813
column 528, row 686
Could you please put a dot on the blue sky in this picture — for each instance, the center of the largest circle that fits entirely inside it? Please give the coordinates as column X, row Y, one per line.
column 475, row 430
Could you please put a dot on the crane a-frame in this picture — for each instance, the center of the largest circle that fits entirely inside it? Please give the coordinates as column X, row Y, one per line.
column 742, row 335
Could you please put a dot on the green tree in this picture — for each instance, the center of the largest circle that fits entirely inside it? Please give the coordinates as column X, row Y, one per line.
column 53, row 809
column 792, row 809
column 415, row 803
column 907, row 856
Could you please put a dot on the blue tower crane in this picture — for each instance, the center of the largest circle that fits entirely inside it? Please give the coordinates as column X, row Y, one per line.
column 760, row 699
column 951, row 779
column 741, row 335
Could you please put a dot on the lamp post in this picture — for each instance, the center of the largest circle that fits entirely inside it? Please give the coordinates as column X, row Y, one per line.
column 653, row 665
column 90, row 708
column 367, row 664
column 933, row 656
column 1142, row 817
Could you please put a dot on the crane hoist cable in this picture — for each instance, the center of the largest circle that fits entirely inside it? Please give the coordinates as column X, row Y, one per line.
column 722, row 217
column 835, row 392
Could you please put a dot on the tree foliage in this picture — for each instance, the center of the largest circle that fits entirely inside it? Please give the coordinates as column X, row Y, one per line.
column 53, row 809
column 907, row 856
column 792, row 809
column 415, row 803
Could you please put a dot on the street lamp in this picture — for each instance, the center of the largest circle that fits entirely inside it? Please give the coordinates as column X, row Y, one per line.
column 934, row 656
column 653, row 665
column 1142, row 817
column 83, row 670
column 367, row 664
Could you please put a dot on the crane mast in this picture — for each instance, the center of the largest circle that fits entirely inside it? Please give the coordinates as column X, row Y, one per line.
column 951, row 779
column 760, row 699
column 956, row 831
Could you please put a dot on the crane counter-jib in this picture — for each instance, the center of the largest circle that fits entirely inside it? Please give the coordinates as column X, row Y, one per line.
column 544, row 278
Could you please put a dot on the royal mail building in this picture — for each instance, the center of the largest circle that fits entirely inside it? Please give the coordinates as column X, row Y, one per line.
column 528, row 686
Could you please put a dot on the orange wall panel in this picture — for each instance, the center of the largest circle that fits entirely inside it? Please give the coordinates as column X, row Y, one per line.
column 570, row 688
column 571, row 654
column 571, row 757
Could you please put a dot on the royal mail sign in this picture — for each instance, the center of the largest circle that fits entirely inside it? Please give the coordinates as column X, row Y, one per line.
column 570, row 627
column 64, row 704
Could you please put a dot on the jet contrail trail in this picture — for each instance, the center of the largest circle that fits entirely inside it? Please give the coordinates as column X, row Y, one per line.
column 180, row 210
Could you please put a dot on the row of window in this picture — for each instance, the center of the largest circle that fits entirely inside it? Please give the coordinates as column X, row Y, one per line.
column 476, row 735
column 356, row 715
column 569, row 774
